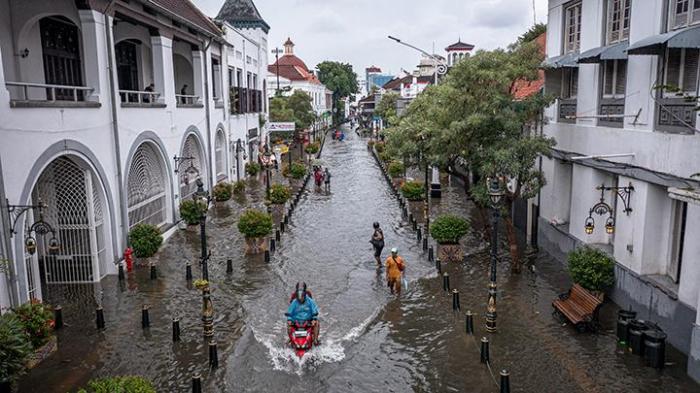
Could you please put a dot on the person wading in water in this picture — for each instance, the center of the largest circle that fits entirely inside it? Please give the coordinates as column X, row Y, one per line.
column 378, row 243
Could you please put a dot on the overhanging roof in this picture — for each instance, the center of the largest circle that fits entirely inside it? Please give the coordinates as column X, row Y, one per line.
column 610, row 52
column 567, row 60
column 655, row 45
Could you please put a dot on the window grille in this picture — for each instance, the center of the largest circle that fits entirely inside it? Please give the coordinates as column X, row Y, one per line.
column 193, row 169
column 146, row 187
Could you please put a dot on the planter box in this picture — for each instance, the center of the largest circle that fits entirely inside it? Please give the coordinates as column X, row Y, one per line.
column 43, row 352
column 450, row 253
column 255, row 245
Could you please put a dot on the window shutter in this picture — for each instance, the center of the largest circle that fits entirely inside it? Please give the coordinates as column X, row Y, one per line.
column 673, row 67
column 690, row 70
column 680, row 16
column 696, row 11
column 621, row 80
column 608, row 72
column 573, row 82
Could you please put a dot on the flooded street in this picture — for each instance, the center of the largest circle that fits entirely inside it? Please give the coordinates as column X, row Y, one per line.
column 370, row 340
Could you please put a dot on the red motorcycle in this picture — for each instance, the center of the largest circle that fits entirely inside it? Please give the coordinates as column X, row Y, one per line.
column 301, row 336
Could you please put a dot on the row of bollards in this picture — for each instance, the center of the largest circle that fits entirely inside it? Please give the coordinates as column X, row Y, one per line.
column 642, row 338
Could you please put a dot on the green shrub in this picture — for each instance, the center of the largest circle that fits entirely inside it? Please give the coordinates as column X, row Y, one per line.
column 384, row 156
column 255, row 223
column 379, row 147
column 413, row 190
column 222, row 192
column 591, row 268
column 37, row 322
column 126, row 384
column 252, row 168
column 279, row 194
column 145, row 239
column 396, row 169
column 448, row 229
column 190, row 211
column 298, row 170
column 370, row 143
column 312, row 148
column 238, row 187
column 15, row 348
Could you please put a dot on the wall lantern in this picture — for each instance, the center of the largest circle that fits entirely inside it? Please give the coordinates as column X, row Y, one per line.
column 39, row 227
column 601, row 208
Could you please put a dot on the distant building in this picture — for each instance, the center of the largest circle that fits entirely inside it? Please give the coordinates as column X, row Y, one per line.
column 457, row 51
column 375, row 78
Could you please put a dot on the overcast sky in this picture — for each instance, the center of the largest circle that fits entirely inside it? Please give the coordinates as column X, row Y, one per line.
column 355, row 31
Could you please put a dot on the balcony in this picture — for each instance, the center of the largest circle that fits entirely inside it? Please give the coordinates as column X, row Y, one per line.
column 612, row 111
column 140, row 99
column 42, row 95
column 676, row 115
column 188, row 101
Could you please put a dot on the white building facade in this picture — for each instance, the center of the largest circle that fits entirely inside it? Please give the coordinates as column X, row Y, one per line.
column 104, row 151
column 614, row 127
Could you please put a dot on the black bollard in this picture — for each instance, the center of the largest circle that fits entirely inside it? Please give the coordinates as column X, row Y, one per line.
column 410, row 218
column 404, row 212
column 425, row 243
column 414, row 224
column 100, row 318
column 419, row 234
column 655, row 348
column 470, row 323
column 213, row 355
column 188, row 271
column 267, row 255
column 636, row 336
column 57, row 317
column 623, row 319
column 229, row 266
column 285, row 219
column 145, row 319
column 455, row 300
column 431, row 254
column 505, row 381
column 197, row 384
column 121, row 272
column 438, row 266
column 278, row 237
column 154, row 274
column 272, row 245
column 484, row 350
column 445, row 282
column 282, row 226
column 176, row 330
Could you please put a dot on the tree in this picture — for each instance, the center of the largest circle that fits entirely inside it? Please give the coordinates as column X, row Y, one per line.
column 340, row 79
column 279, row 111
column 387, row 108
column 296, row 108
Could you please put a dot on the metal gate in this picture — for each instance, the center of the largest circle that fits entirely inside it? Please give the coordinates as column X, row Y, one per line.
column 75, row 211
column 191, row 149
column 146, row 187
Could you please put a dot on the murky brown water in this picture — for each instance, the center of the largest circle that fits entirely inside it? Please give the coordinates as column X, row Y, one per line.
column 371, row 340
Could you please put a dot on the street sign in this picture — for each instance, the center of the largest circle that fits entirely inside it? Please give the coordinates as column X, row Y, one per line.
column 280, row 126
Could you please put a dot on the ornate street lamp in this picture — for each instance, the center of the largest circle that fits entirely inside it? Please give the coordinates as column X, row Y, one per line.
column 38, row 228
column 267, row 163
column 202, row 197
column 496, row 193
column 602, row 208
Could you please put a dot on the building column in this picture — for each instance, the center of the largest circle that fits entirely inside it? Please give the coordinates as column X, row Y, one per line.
column 217, row 82
column 4, row 93
column 163, row 71
column 94, row 60
column 694, row 352
column 198, row 71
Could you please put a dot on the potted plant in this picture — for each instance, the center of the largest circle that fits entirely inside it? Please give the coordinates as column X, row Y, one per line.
column 125, row 384
column 379, row 147
column 238, row 188
column 255, row 225
column 370, row 143
column 145, row 239
column 252, row 168
column 201, row 284
column 297, row 170
column 312, row 148
column 222, row 192
column 279, row 194
column 592, row 269
column 447, row 230
column 413, row 190
column 396, row 169
column 190, row 211
column 16, row 349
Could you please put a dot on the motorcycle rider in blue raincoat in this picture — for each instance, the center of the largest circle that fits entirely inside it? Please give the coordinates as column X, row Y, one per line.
column 303, row 309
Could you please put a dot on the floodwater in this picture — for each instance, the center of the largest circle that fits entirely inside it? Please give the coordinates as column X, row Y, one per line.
column 371, row 340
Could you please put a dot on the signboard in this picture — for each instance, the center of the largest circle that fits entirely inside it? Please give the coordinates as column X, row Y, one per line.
column 280, row 126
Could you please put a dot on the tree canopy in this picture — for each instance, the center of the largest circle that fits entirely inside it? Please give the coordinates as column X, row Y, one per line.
column 296, row 107
column 340, row 79
column 387, row 108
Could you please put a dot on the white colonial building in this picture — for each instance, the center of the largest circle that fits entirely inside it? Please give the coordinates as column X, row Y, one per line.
column 104, row 151
column 615, row 126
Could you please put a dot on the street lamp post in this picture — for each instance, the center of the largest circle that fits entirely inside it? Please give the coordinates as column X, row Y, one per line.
column 203, row 197
column 495, row 195
column 267, row 163
column 277, row 52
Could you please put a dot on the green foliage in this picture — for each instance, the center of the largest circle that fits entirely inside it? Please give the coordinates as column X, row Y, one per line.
column 591, row 268
column 252, row 168
column 384, row 156
column 300, row 103
column 387, row 107
column 313, row 148
column 530, row 35
column 279, row 112
column 413, row 190
column 37, row 321
column 126, row 384
column 379, row 147
column 448, row 229
column 297, row 170
column 190, row 211
column 222, row 191
column 255, row 223
column 145, row 239
column 279, row 194
column 238, row 187
column 370, row 143
column 396, row 169
column 341, row 80
column 15, row 348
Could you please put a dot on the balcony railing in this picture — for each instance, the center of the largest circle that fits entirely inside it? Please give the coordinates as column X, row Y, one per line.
column 42, row 94
column 187, row 100
column 567, row 110
column 139, row 98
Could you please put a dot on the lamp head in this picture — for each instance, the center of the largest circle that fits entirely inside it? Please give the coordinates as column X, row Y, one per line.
column 610, row 226
column 30, row 245
column 589, row 226
column 495, row 190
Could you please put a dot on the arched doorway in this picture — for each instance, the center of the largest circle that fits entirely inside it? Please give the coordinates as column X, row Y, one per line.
column 220, row 152
column 76, row 209
column 146, row 186
column 193, row 168
column 60, row 44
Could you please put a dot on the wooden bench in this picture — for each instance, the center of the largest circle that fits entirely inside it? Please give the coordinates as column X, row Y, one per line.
column 580, row 307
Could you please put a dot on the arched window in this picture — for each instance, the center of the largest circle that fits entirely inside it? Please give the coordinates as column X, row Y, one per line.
column 60, row 44
column 191, row 169
column 146, row 187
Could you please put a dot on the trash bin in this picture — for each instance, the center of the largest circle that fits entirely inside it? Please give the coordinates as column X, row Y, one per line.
column 623, row 319
column 636, row 336
column 655, row 348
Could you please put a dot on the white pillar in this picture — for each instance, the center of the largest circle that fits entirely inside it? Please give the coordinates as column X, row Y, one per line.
column 4, row 93
column 198, row 71
column 217, row 83
column 163, row 71
column 92, row 30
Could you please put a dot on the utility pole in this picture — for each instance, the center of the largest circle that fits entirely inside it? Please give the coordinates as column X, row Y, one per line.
column 277, row 52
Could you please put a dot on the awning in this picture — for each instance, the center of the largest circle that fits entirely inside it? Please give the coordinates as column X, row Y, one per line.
column 610, row 52
column 567, row 60
column 655, row 45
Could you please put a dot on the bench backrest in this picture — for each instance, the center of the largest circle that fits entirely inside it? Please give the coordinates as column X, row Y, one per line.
column 584, row 298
